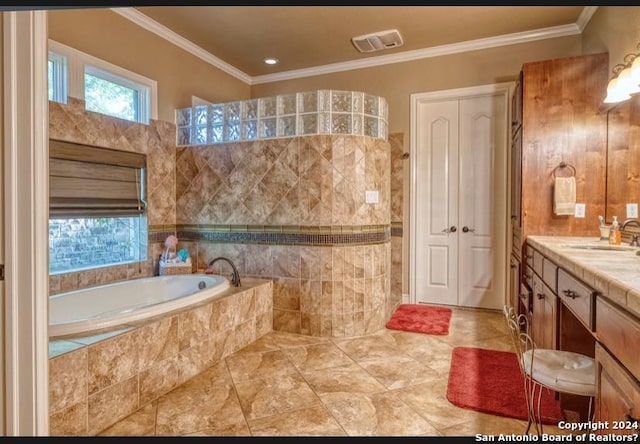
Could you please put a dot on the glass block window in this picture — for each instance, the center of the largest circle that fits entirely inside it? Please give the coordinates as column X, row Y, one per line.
column 287, row 115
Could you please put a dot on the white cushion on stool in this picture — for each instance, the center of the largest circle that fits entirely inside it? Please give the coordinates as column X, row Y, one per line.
column 562, row 371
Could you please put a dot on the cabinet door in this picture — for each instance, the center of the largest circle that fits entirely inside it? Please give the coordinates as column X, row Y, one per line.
column 516, row 180
column 618, row 396
column 544, row 321
column 514, row 283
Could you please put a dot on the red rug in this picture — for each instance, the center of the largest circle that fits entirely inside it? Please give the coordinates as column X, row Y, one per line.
column 490, row 381
column 420, row 318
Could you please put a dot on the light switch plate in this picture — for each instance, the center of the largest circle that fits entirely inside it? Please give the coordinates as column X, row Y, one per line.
column 580, row 210
column 632, row 210
column 371, row 196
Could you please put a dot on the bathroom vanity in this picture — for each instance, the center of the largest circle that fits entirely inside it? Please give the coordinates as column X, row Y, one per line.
column 583, row 295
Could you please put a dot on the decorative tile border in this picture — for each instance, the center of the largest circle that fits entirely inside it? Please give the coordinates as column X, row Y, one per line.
column 396, row 229
column 287, row 115
column 278, row 234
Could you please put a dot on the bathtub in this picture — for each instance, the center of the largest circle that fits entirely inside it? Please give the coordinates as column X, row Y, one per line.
column 87, row 310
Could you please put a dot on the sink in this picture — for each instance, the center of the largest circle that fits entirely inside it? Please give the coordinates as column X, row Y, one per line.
column 602, row 247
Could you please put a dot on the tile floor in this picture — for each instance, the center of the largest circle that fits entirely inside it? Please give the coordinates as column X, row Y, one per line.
column 389, row 383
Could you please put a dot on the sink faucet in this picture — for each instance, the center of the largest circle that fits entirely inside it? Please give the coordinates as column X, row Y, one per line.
column 235, row 276
column 634, row 238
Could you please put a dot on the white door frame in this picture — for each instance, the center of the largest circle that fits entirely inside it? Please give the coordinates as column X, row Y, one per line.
column 506, row 90
column 25, row 363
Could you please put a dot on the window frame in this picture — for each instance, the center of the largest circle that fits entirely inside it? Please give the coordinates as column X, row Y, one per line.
column 77, row 64
column 60, row 76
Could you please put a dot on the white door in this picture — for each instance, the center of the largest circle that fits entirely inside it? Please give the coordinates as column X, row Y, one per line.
column 459, row 229
column 436, row 207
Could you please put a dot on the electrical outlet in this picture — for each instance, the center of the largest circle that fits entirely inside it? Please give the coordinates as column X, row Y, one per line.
column 632, row 210
column 371, row 196
column 580, row 210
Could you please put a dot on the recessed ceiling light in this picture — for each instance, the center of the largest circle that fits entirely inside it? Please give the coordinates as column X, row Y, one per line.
column 270, row 60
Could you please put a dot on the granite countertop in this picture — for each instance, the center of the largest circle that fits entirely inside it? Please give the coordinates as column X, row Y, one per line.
column 614, row 274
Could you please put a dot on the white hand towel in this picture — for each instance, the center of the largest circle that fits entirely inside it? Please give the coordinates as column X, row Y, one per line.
column 564, row 196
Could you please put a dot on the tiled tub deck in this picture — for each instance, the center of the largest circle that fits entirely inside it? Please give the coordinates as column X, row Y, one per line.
column 94, row 381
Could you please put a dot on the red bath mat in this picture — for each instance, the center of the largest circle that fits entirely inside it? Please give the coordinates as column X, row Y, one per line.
column 420, row 318
column 490, row 381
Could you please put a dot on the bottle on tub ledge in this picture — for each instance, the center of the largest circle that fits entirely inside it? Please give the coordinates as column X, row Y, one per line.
column 615, row 237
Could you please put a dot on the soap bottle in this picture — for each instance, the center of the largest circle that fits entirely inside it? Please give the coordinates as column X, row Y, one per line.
column 615, row 236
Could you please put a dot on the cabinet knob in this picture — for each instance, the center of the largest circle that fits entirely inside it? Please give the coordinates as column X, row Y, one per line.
column 540, row 295
column 570, row 294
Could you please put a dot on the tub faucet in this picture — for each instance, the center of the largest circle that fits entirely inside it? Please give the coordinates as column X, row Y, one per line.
column 634, row 237
column 235, row 276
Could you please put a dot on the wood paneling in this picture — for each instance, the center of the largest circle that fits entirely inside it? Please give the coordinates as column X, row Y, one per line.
column 562, row 122
column 620, row 333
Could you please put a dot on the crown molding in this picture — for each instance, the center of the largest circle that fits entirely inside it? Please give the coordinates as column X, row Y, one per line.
column 149, row 24
column 585, row 16
column 435, row 51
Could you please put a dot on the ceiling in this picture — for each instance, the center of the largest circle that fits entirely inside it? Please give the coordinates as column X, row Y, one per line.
column 307, row 37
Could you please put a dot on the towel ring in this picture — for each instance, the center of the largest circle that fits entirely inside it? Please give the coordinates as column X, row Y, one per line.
column 564, row 165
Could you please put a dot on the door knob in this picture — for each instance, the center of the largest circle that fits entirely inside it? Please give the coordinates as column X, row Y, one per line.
column 466, row 229
column 453, row 229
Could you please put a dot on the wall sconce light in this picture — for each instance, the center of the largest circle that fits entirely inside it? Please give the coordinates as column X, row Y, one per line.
column 625, row 80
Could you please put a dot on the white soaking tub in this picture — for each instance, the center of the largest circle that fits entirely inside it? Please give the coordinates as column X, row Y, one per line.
column 87, row 310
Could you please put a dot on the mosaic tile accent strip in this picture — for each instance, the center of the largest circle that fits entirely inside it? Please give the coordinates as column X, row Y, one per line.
column 281, row 235
column 396, row 229
column 287, row 115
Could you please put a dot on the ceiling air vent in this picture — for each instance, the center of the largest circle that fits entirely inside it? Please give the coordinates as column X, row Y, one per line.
column 377, row 41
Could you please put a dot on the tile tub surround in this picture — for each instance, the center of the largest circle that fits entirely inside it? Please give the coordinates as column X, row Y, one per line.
column 300, row 182
column 94, row 386
column 614, row 274
column 330, row 291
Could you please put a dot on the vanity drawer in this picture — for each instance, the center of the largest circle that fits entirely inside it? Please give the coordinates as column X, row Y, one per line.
column 549, row 274
column 579, row 298
column 620, row 333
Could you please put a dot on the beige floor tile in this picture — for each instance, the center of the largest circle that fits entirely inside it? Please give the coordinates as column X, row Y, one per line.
column 389, row 383
column 314, row 421
column 340, row 383
column 379, row 414
column 279, row 394
column 399, row 373
column 261, row 365
column 193, row 408
column 317, row 356
column 373, row 347
column 139, row 423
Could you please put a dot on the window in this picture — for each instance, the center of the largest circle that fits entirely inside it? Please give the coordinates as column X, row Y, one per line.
column 116, row 96
column 58, row 77
column 89, row 242
column 97, row 209
column 105, row 88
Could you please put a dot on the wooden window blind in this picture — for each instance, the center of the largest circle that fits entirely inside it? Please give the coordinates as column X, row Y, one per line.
column 86, row 181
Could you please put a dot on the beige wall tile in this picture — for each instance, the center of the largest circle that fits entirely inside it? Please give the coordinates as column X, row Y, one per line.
column 67, row 380
column 111, row 361
column 70, row 421
column 112, row 404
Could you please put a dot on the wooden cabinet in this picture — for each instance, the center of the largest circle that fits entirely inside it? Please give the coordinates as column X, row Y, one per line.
column 617, row 397
column 544, row 329
column 556, row 118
